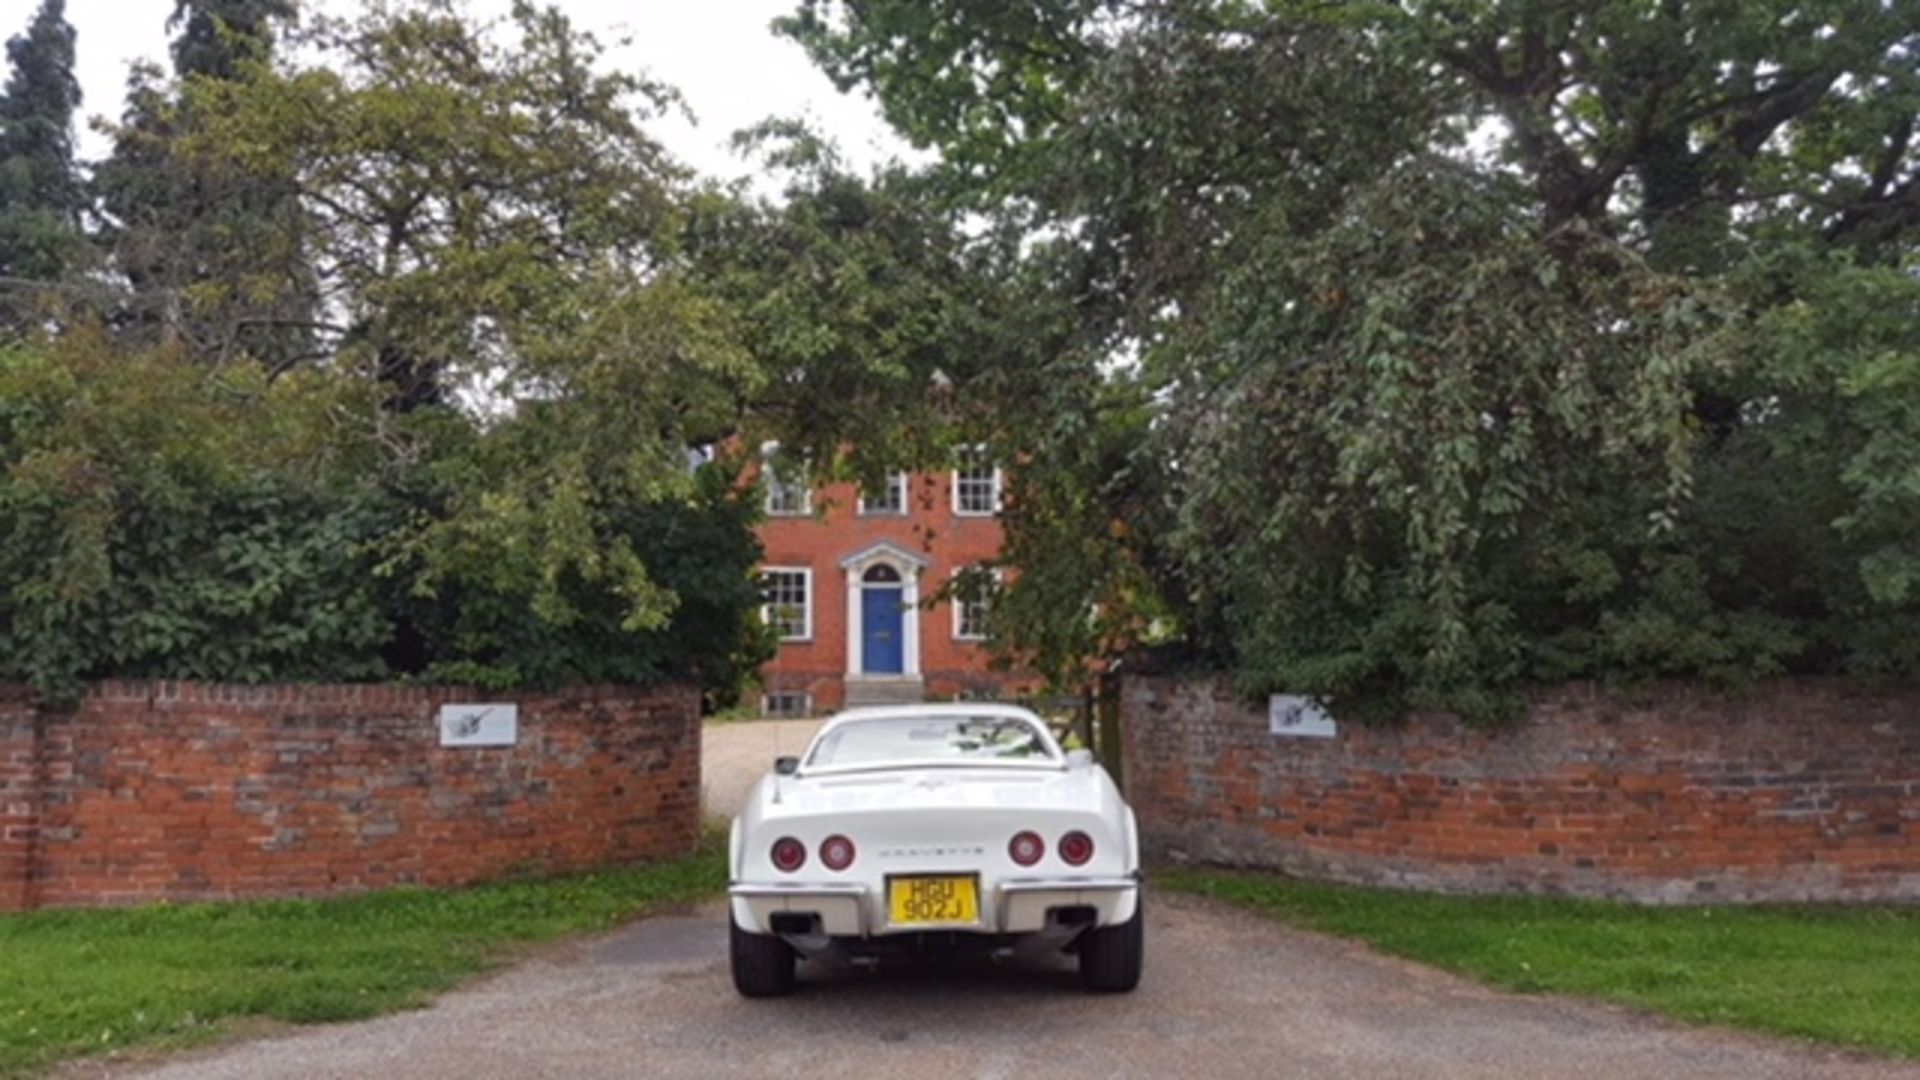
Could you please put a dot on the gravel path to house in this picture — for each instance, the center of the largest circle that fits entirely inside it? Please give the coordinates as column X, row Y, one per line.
column 734, row 756
column 1226, row 995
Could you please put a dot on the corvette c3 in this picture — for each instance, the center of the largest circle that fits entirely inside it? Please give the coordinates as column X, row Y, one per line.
column 927, row 828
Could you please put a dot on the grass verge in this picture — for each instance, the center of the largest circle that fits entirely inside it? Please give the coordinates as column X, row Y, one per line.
column 74, row 983
column 1849, row 976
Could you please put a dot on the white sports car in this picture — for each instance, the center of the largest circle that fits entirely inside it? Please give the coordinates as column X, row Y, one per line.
column 923, row 826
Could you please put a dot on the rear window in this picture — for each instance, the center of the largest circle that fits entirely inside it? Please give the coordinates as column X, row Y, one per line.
column 957, row 739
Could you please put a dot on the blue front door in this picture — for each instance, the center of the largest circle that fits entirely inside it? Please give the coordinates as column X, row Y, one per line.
column 882, row 648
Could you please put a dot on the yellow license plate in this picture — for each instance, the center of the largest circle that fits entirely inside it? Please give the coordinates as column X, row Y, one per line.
column 933, row 900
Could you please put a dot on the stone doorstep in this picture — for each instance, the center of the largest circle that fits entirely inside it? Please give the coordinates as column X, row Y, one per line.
column 885, row 690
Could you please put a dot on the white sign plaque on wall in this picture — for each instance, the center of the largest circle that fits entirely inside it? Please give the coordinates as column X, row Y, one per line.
column 479, row 725
column 1299, row 717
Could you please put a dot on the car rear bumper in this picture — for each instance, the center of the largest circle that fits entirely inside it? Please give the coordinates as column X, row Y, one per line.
column 1018, row 906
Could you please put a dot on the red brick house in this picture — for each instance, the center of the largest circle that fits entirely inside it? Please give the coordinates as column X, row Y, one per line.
column 849, row 577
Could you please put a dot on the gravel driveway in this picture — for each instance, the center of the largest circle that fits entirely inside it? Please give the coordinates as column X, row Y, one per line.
column 1225, row 995
column 734, row 756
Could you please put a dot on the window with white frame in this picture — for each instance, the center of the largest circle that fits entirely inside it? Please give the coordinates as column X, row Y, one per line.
column 890, row 499
column 972, row 590
column 786, row 704
column 976, row 487
column 787, row 496
column 789, row 602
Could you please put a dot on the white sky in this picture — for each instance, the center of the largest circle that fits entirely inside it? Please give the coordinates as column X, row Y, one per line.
column 721, row 55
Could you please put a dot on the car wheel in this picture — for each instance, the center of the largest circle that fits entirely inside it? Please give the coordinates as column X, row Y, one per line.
column 762, row 963
column 1111, row 956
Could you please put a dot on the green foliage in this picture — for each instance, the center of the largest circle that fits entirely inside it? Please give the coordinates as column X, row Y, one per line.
column 983, row 83
column 869, row 317
column 82, row 983
column 1086, row 530
column 163, row 521
column 1839, row 975
column 1407, row 354
column 1384, row 539
column 481, row 603
column 40, row 193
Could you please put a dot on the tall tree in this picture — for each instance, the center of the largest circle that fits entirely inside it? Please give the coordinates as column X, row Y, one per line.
column 220, row 39
column 41, row 196
column 1408, row 351
column 493, row 230
column 213, row 257
column 459, row 191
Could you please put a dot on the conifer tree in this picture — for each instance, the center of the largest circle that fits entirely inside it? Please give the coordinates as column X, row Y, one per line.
column 212, row 255
column 219, row 38
column 40, row 195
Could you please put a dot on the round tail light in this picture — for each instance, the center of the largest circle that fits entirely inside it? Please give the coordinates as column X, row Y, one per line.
column 1026, row 848
column 789, row 854
column 836, row 852
column 1076, row 848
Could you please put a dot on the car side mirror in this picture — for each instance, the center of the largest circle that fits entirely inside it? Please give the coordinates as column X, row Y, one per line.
column 786, row 766
column 1079, row 759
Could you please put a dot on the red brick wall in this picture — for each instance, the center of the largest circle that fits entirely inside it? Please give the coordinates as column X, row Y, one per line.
column 19, row 796
column 930, row 529
column 181, row 791
column 1803, row 790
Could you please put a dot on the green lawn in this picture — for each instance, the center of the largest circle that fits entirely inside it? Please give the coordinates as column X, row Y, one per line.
column 86, row 982
column 1849, row 976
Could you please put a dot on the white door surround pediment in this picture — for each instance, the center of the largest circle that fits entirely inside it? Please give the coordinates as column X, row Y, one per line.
column 886, row 551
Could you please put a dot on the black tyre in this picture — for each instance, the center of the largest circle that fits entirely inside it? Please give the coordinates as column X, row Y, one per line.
column 1111, row 956
column 762, row 963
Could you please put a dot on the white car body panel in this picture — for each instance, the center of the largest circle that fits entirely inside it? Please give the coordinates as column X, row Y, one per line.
column 936, row 818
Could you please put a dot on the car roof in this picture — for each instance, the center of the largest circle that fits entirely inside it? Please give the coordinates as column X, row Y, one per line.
column 928, row 710
column 938, row 708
